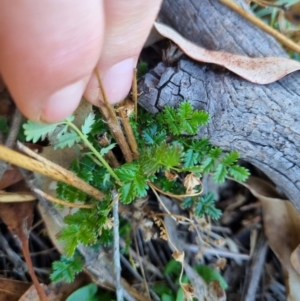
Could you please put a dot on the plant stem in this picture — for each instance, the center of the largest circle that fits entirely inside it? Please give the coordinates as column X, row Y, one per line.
column 95, row 152
column 109, row 115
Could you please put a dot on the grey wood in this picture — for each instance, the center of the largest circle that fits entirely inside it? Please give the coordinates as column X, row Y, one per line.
column 262, row 122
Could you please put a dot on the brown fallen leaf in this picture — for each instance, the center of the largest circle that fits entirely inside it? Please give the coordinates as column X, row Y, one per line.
column 32, row 295
column 11, row 176
column 18, row 218
column 12, row 290
column 281, row 225
column 256, row 70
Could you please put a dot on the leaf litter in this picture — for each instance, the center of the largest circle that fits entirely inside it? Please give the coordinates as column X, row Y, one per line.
column 256, row 70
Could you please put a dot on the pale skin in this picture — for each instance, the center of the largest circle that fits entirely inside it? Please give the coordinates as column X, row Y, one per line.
column 49, row 50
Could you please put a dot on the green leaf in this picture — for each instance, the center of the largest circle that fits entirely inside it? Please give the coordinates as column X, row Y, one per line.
column 106, row 149
column 67, row 139
column 190, row 158
column 151, row 136
column 127, row 171
column 220, row 174
column 200, row 118
column 127, row 193
column 88, row 123
column 140, row 186
column 36, row 131
column 86, row 293
column 209, row 274
column 215, row 152
column 185, row 110
column 239, row 173
column 166, row 297
column 142, row 69
column 188, row 202
column 173, row 267
column 206, row 205
column 208, row 165
column 73, row 235
column 106, row 237
column 4, row 129
column 66, row 269
column 213, row 212
column 230, row 158
column 208, row 198
column 172, row 156
column 189, row 127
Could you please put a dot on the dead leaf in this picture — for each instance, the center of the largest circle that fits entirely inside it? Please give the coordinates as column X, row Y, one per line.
column 256, row 70
column 12, row 290
column 188, row 291
column 11, row 176
column 178, row 256
column 18, row 218
column 190, row 182
column 281, row 225
column 295, row 259
column 32, row 295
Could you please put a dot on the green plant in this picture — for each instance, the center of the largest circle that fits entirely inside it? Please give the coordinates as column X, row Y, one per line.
column 170, row 158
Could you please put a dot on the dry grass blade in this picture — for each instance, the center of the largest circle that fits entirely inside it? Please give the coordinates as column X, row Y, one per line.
column 259, row 23
column 48, row 169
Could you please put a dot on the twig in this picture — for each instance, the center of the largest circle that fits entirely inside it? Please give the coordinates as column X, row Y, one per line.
column 147, row 264
column 11, row 138
column 218, row 253
column 110, row 116
column 61, row 202
column 137, row 275
column 135, row 93
column 117, row 260
column 128, row 130
column 140, row 262
column 256, row 21
column 49, row 169
column 20, row 266
column 254, row 270
column 14, row 129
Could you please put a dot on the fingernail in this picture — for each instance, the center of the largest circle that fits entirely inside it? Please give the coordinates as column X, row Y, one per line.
column 118, row 79
column 63, row 103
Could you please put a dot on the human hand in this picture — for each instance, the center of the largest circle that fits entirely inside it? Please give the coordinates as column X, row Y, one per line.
column 49, row 50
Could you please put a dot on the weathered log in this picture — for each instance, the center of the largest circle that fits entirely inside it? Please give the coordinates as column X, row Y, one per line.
column 262, row 122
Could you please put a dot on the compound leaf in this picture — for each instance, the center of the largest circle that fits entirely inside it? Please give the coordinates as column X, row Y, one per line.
column 88, row 123
column 239, row 173
column 36, row 131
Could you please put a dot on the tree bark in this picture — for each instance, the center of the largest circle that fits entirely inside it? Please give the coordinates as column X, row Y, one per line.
column 262, row 122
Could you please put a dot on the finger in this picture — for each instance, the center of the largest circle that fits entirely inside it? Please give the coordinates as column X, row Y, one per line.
column 48, row 52
column 127, row 25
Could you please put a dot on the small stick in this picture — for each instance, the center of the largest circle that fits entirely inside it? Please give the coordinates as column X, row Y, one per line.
column 256, row 21
column 11, row 138
column 134, row 93
column 117, row 259
column 48, row 169
column 110, row 116
column 140, row 263
column 61, row 202
column 255, row 269
column 110, row 157
column 128, row 131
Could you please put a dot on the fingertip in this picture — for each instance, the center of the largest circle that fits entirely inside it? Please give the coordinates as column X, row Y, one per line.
column 117, row 81
column 62, row 103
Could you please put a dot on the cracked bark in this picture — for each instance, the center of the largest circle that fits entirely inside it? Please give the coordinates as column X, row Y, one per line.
column 262, row 122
